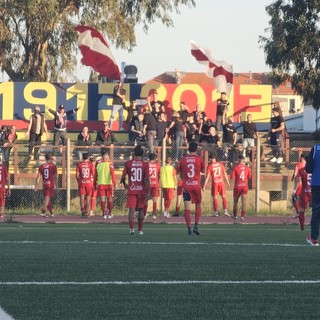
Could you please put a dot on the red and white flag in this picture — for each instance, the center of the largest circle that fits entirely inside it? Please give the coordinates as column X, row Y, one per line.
column 220, row 71
column 96, row 53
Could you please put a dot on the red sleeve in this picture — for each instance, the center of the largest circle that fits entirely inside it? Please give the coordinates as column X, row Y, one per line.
column 178, row 168
column 233, row 173
column 202, row 166
column 113, row 175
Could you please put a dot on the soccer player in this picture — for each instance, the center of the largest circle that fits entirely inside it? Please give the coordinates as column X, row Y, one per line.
column 154, row 176
column 137, row 189
column 190, row 167
column 241, row 174
column 48, row 173
column 303, row 179
column 84, row 174
column 217, row 172
column 297, row 187
column 4, row 182
column 105, row 180
column 313, row 167
column 168, row 178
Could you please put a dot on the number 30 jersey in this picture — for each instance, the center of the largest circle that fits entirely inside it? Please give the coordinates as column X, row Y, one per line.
column 138, row 172
column 190, row 167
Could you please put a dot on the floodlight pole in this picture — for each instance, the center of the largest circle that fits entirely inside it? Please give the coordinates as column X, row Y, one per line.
column 163, row 156
column 68, row 184
column 257, row 197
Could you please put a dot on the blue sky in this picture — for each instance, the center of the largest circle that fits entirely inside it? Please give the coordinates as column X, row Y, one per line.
column 230, row 28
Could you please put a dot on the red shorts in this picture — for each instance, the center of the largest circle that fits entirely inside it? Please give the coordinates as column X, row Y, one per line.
column 194, row 196
column 305, row 199
column 154, row 192
column 217, row 189
column 2, row 198
column 105, row 190
column 48, row 192
column 135, row 201
column 85, row 190
column 168, row 193
column 299, row 189
column 239, row 192
column 179, row 191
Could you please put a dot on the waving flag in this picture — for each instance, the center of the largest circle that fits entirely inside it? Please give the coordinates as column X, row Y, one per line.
column 220, row 71
column 96, row 53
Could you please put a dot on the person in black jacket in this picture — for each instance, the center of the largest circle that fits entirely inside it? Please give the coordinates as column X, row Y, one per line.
column 105, row 137
column 84, row 139
column 7, row 140
column 132, row 115
column 60, row 125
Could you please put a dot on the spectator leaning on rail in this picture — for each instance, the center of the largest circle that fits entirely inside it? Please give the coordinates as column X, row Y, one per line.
column 60, row 125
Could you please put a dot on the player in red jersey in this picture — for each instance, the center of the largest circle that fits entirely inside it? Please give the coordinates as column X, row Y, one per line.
column 304, row 179
column 297, row 189
column 48, row 172
column 4, row 182
column 84, row 174
column 154, row 177
column 242, row 174
column 217, row 172
column 105, row 180
column 190, row 168
column 137, row 188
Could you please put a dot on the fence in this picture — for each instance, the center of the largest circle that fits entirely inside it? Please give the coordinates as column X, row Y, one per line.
column 270, row 188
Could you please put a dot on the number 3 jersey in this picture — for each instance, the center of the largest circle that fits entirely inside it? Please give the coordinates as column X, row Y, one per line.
column 190, row 168
column 48, row 172
column 138, row 172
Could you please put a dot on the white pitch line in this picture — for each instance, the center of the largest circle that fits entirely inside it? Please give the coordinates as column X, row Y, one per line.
column 149, row 243
column 170, row 228
column 4, row 315
column 151, row 282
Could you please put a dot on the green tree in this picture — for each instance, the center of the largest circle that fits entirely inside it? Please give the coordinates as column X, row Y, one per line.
column 292, row 46
column 38, row 41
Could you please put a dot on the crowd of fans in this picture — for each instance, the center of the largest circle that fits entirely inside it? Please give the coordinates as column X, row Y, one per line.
column 150, row 125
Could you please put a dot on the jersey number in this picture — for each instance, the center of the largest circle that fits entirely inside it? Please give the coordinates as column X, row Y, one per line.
column 85, row 172
column 216, row 172
column 46, row 174
column 152, row 172
column 241, row 176
column 190, row 173
column 136, row 174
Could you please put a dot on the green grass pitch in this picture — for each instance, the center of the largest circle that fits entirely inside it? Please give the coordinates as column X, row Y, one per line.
column 98, row 271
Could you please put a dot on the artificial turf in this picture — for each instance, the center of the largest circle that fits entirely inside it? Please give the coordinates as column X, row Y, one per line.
column 101, row 272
